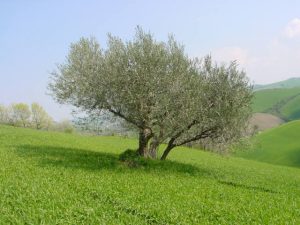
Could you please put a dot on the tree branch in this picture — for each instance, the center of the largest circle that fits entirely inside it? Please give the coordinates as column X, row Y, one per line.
column 194, row 122
column 119, row 114
column 203, row 134
column 171, row 144
column 169, row 147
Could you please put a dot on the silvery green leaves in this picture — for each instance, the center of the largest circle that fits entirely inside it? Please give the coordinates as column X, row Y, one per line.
column 157, row 88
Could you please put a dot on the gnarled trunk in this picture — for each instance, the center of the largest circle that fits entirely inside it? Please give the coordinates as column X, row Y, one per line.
column 166, row 152
column 153, row 148
column 169, row 147
column 144, row 136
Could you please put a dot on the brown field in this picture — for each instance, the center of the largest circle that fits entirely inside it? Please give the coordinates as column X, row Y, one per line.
column 263, row 121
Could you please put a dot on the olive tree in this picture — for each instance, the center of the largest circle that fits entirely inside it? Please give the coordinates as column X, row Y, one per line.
column 215, row 107
column 155, row 87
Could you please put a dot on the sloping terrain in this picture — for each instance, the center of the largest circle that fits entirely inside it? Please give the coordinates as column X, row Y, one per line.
column 264, row 121
column 291, row 110
column 280, row 145
column 56, row 178
column 289, row 83
column 283, row 103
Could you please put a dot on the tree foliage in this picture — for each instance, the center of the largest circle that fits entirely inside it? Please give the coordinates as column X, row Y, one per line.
column 3, row 114
column 40, row 118
column 101, row 123
column 21, row 114
column 64, row 125
column 157, row 88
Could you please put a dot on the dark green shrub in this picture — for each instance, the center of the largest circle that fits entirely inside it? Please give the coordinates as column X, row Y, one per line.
column 132, row 159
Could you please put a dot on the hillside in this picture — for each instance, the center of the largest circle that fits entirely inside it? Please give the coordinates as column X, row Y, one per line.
column 264, row 121
column 56, row 178
column 289, row 83
column 283, row 102
column 280, row 145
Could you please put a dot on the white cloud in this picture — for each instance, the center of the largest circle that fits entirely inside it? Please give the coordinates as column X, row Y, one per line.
column 292, row 30
column 268, row 62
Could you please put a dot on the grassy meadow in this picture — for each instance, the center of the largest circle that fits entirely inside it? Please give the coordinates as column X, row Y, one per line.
column 57, row 178
column 281, row 102
column 279, row 145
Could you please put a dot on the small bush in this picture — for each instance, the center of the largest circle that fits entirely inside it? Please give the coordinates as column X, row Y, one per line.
column 132, row 159
column 69, row 130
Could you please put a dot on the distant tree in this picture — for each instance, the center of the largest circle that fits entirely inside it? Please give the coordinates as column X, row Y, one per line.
column 64, row 126
column 3, row 115
column 20, row 114
column 156, row 88
column 92, row 123
column 39, row 117
column 102, row 123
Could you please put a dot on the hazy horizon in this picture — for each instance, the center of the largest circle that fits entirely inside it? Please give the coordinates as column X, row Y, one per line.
column 264, row 37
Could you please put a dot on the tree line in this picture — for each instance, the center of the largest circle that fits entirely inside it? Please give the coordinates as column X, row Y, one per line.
column 31, row 116
column 23, row 115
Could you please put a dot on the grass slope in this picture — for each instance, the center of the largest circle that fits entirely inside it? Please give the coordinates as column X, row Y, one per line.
column 280, row 145
column 56, row 178
column 289, row 83
column 291, row 109
column 279, row 102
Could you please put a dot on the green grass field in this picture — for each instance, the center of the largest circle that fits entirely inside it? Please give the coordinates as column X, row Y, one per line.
column 291, row 109
column 282, row 102
column 56, row 178
column 280, row 145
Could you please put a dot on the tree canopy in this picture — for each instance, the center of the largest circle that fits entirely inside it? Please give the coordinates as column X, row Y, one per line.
column 157, row 88
column 40, row 118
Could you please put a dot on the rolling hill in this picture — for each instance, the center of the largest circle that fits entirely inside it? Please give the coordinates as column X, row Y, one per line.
column 280, row 145
column 57, row 178
column 281, row 102
column 289, row 83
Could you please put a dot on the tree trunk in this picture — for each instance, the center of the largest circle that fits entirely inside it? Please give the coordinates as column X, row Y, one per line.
column 153, row 148
column 167, row 151
column 144, row 137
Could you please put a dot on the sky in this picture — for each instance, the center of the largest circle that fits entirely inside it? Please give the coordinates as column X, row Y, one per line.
column 35, row 35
